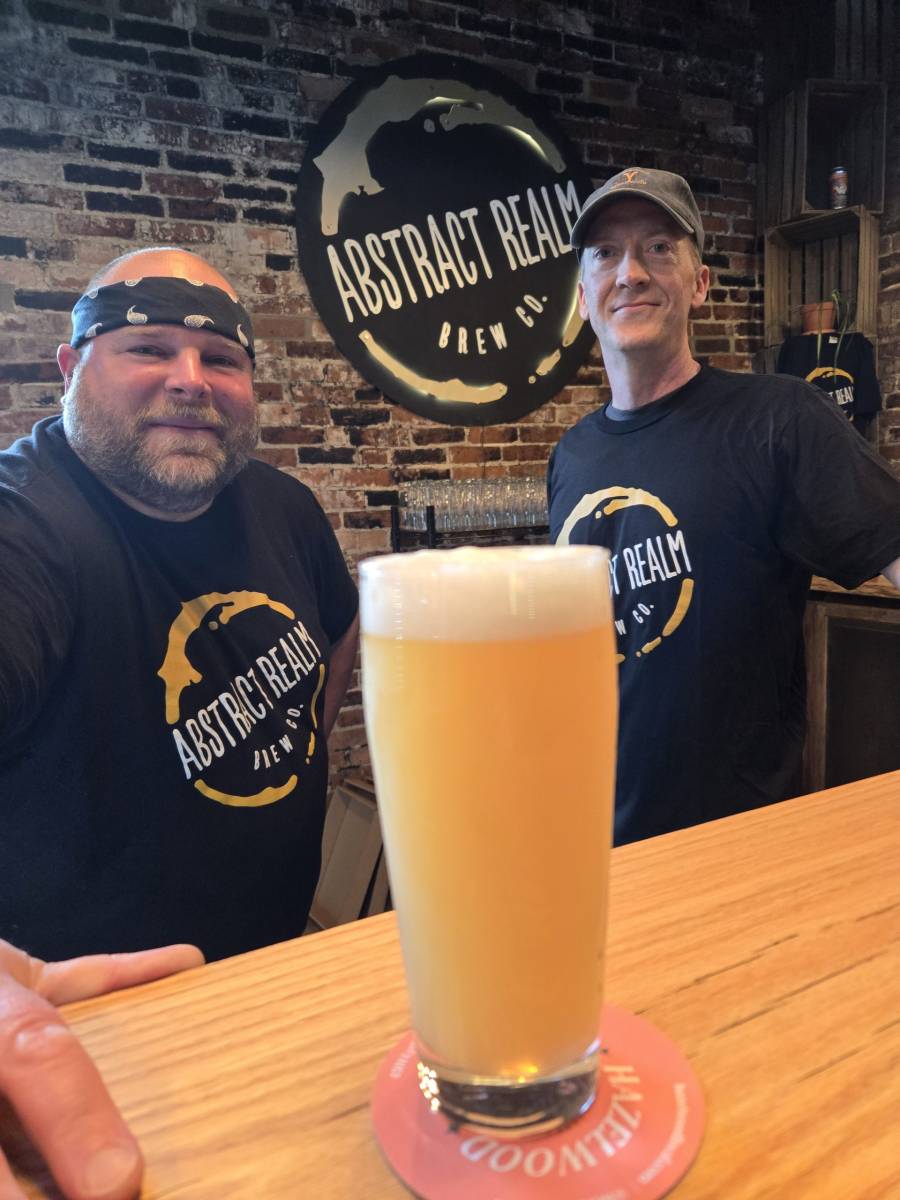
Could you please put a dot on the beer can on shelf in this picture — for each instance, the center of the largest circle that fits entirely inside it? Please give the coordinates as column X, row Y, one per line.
column 838, row 181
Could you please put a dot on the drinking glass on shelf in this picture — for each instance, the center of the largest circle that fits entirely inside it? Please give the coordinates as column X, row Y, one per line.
column 468, row 504
column 536, row 501
column 408, row 506
column 489, row 689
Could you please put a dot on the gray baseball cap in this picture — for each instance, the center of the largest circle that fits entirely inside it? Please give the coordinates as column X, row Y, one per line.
column 669, row 191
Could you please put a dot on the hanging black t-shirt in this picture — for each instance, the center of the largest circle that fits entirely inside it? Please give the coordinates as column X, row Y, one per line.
column 717, row 503
column 842, row 367
column 162, row 763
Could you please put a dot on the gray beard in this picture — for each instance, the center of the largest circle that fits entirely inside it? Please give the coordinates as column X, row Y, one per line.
column 125, row 466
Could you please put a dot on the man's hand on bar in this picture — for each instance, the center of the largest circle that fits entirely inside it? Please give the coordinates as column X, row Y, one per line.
column 48, row 1078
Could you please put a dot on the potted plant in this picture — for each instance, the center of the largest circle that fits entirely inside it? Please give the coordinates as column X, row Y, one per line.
column 834, row 315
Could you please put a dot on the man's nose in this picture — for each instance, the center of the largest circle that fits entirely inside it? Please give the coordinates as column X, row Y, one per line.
column 186, row 375
column 632, row 270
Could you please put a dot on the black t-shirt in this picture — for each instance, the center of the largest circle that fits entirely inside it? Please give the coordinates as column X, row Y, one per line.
column 717, row 503
column 162, row 764
column 842, row 367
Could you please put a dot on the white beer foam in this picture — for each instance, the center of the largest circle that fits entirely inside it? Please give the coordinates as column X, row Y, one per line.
column 485, row 593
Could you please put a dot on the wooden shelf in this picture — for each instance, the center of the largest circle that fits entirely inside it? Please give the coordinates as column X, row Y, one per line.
column 879, row 588
column 808, row 258
column 816, row 226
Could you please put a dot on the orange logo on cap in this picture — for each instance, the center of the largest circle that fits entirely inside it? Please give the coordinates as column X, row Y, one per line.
column 629, row 177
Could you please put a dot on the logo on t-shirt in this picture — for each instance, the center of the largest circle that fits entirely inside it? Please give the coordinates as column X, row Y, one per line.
column 650, row 573
column 829, row 380
column 237, row 720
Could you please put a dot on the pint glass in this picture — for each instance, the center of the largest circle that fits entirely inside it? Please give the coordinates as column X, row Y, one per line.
column 489, row 688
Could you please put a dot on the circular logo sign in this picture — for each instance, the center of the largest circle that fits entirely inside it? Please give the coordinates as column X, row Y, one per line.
column 434, row 209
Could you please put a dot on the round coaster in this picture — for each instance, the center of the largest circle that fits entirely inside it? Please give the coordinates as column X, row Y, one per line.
column 635, row 1142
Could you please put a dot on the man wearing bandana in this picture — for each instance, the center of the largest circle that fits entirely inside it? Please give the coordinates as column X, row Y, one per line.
column 179, row 627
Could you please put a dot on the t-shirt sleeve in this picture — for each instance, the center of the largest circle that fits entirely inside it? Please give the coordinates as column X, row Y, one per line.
column 838, row 502
column 335, row 589
column 36, row 602
column 797, row 356
column 866, row 389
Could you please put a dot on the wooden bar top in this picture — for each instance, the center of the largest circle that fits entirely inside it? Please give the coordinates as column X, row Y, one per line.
column 767, row 945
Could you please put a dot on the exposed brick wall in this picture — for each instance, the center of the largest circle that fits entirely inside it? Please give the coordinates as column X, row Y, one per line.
column 133, row 122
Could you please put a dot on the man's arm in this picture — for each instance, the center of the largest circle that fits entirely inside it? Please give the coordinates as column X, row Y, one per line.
column 343, row 659
column 47, row 1077
column 36, row 589
column 892, row 573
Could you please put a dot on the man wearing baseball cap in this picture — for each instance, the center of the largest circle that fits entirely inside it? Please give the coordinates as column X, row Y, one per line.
column 179, row 627
column 718, row 495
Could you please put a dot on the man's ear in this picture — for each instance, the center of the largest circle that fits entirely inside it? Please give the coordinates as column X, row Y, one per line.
column 583, row 310
column 701, row 287
column 67, row 359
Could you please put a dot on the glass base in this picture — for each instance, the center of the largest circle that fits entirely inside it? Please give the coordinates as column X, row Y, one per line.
column 638, row 1139
column 509, row 1108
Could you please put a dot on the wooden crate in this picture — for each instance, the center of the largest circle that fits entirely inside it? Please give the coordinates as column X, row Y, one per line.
column 858, row 42
column 820, row 125
column 826, row 39
column 808, row 259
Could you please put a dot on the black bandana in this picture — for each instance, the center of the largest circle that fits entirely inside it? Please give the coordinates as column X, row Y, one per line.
column 161, row 300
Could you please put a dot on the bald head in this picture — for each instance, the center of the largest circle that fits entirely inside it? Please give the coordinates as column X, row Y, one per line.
column 160, row 261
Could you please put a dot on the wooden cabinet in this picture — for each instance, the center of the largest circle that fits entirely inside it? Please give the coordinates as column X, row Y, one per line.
column 853, row 675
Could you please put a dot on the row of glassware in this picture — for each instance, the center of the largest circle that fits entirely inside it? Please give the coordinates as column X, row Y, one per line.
column 461, row 504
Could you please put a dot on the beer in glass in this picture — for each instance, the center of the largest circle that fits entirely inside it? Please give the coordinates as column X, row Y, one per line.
column 489, row 688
